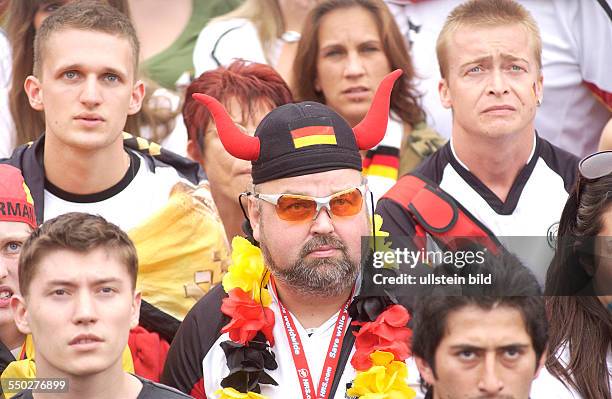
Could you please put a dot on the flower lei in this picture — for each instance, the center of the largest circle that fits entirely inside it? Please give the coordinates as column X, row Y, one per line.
column 381, row 344
column 248, row 351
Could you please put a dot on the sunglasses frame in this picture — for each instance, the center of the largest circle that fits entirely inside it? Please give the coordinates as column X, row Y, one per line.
column 322, row 202
column 583, row 165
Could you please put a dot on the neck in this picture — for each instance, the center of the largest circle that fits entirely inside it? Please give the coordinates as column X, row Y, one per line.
column 94, row 386
column 230, row 213
column 10, row 336
column 495, row 161
column 310, row 310
column 83, row 171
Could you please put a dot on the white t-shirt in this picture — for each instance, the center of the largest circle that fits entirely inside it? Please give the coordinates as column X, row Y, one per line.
column 577, row 48
column 127, row 204
column 222, row 42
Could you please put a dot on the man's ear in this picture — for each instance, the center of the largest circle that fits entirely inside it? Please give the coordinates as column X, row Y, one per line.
column 136, row 301
column 138, row 93
column 445, row 95
column 194, row 152
column 425, row 370
column 539, row 89
column 254, row 213
column 34, row 92
column 20, row 314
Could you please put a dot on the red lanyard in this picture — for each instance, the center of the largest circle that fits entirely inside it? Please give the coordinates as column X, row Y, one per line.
column 299, row 358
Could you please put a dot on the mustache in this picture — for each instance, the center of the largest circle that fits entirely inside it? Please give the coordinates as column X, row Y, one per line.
column 322, row 240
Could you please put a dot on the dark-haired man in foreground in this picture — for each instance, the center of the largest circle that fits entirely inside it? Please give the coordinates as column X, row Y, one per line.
column 479, row 346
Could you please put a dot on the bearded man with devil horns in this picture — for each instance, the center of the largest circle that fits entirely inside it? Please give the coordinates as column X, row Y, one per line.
column 282, row 325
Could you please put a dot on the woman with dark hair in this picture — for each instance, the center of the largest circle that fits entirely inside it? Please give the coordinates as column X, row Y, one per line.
column 347, row 47
column 581, row 321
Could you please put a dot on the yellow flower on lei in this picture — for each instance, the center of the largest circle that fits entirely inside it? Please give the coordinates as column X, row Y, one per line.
column 247, row 271
column 386, row 379
column 231, row 393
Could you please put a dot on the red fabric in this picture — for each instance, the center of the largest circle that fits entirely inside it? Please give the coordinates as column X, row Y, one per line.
column 16, row 204
column 149, row 352
column 198, row 390
column 602, row 95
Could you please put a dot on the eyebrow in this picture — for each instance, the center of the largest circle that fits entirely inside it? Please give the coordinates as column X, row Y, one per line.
column 515, row 345
column 338, row 44
column 72, row 284
column 505, row 57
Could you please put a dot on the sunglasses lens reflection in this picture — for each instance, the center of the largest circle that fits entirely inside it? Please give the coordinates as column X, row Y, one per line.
column 298, row 208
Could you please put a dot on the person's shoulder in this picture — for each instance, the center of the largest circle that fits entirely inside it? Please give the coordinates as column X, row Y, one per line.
column 218, row 27
column 563, row 163
column 153, row 390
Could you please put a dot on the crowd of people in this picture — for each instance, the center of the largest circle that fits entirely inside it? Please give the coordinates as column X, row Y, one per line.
column 194, row 196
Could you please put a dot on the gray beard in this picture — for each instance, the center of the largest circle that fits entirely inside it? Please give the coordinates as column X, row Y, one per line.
column 321, row 277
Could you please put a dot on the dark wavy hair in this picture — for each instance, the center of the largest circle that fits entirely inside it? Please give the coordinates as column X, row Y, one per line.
column 404, row 97
column 579, row 323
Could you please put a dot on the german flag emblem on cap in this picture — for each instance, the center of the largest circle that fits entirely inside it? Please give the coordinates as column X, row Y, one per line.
column 313, row 135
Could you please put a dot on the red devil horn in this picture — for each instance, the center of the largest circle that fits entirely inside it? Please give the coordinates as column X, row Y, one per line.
column 371, row 130
column 237, row 143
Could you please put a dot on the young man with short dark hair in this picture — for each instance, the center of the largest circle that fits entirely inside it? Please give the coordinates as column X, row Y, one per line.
column 479, row 346
column 77, row 276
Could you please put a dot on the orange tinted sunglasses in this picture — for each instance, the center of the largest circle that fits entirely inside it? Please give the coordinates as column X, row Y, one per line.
column 299, row 208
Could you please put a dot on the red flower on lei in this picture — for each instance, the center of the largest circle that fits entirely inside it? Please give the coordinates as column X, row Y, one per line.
column 248, row 317
column 388, row 333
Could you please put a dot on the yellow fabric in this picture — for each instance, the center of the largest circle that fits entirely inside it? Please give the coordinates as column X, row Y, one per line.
column 182, row 251
column 314, row 140
column 381, row 170
column 26, row 368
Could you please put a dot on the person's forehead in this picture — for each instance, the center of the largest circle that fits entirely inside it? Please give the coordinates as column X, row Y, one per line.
column 72, row 46
column 14, row 230
column 316, row 184
column 254, row 109
column 472, row 325
column 80, row 268
column 479, row 40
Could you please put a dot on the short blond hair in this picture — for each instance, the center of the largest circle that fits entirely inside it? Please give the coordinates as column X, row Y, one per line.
column 487, row 13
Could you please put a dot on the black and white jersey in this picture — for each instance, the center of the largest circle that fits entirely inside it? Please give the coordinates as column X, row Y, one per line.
column 530, row 214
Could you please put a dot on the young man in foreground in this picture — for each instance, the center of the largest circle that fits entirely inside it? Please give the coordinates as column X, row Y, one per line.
column 77, row 277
